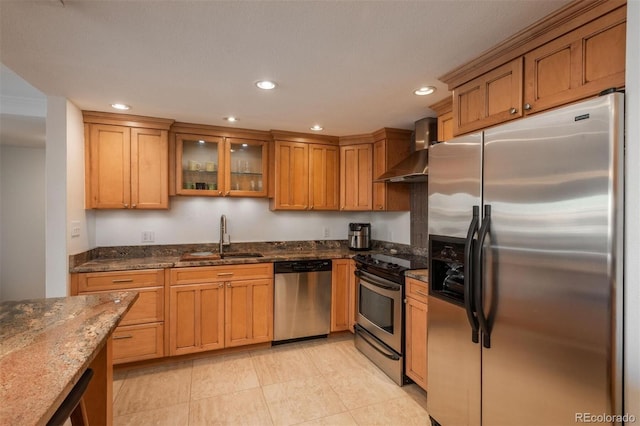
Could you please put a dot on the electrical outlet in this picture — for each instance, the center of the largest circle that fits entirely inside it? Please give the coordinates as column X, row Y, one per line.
column 75, row 228
column 148, row 236
column 325, row 232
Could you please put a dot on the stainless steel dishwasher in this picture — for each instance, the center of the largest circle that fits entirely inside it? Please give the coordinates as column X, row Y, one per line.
column 302, row 300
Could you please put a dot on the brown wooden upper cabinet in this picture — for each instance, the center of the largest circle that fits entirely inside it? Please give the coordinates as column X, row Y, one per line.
column 356, row 177
column 390, row 147
column 220, row 166
column 575, row 53
column 492, row 98
column 126, row 161
column 577, row 65
column 304, row 172
column 444, row 109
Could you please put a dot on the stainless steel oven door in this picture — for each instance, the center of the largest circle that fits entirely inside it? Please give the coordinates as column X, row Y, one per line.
column 380, row 308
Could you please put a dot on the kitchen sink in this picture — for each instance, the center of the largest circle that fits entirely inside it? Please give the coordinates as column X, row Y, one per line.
column 210, row 255
column 232, row 255
column 200, row 255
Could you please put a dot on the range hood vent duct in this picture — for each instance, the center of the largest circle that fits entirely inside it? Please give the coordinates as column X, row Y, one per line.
column 415, row 168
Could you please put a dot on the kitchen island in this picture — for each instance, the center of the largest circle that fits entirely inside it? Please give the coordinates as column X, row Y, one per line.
column 45, row 347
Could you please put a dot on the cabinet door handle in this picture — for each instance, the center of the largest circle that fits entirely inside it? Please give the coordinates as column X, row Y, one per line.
column 228, row 284
column 123, row 280
column 513, row 111
column 225, row 274
column 133, row 206
column 220, row 285
column 126, row 206
column 379, row 207
column 310, row 207
column 227, row 193
column 123, row 336
column 527, row 107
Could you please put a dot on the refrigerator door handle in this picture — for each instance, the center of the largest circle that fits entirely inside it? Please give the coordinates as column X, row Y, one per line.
column 477, row 278
column 468, row 276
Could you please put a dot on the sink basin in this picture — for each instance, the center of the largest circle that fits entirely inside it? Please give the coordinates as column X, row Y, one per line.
column 200, row 255
column 233, row 255
column 210, row 255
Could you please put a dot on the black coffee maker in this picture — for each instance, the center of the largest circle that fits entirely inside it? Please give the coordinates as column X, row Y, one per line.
column 359, row 236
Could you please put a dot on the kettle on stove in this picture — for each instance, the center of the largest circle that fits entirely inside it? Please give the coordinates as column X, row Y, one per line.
column 359, row 236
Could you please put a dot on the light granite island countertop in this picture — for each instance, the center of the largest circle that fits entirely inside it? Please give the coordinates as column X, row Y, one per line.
column 46, row 345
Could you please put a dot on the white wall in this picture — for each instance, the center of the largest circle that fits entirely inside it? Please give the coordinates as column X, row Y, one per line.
column 632, row 214
column 64, row 177
column 75, row 185
column 22, row 221
column 197, row 220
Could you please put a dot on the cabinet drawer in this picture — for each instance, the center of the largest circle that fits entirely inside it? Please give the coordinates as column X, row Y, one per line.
column 138, row 342
column 120, row 280
column 417, row 289
column 221, row 273
column 148, row 308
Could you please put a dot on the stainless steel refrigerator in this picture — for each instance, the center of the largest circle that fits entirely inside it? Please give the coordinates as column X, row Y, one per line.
column 525, row 297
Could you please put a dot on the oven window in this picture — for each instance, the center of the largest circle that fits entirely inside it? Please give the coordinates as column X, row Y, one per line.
column 377, row 308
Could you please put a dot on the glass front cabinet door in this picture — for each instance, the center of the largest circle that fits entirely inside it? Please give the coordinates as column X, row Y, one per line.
column 247, row 166
column 199, row 165
column 220, row 166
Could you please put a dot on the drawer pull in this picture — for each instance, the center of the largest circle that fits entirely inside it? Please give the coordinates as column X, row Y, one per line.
column 421, row 293
column 225, row 274
column 124, row 280
column 123, row 336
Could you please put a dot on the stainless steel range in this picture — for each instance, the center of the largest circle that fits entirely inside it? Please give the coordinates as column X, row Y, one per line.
column 380, row 317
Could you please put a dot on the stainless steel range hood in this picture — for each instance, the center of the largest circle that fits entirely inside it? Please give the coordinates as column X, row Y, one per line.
column 415, row 168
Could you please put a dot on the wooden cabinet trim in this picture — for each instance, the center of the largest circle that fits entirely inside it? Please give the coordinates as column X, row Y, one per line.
column 219, row 131
column 128, row 120
column 284, row 135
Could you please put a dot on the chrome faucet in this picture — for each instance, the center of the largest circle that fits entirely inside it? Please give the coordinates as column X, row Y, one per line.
column 225, row 240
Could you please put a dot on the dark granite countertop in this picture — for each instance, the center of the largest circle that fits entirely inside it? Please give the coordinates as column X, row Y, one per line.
column 46, row 345
column 153, row 262
column 104, row 259
column 418, row 274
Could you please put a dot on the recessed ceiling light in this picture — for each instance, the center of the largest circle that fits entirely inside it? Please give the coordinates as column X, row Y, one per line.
column 122, row 107
column 316, row 127
column 244, row 145
column 201, row 141
column 266, row 84
column 427, row 90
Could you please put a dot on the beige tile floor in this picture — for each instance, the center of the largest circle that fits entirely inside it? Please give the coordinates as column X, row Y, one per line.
column 318, row 382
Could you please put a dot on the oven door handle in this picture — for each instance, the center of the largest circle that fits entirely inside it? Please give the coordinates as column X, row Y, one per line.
column 377, row 282
column 391, row 356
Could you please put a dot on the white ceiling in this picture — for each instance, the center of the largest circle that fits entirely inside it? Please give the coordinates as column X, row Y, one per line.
column 350, row 66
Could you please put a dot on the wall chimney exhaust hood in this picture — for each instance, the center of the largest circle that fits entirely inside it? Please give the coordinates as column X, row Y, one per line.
column 415, row 168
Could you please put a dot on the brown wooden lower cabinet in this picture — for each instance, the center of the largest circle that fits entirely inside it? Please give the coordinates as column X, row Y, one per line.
column 217, row 307
column 248, row 312
column 140, row 334
column 342, row 295
column 416, row 331
column 196, row 318
column 138, row 342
